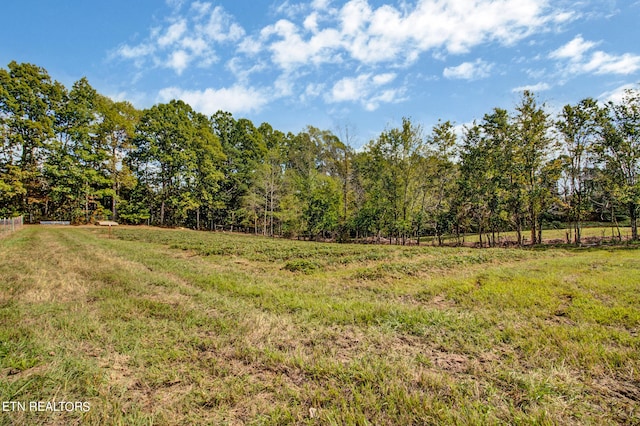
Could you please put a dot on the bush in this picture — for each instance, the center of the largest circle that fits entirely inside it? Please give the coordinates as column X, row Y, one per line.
column 301, row 265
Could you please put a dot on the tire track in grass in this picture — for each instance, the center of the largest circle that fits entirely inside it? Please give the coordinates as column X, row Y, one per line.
column 235, row 358
column 276, row 347
column 55, row 256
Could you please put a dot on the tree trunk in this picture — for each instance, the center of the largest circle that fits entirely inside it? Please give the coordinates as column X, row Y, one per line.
column 113, row 206
column 633, row 215
column 114, row 185
column 540, row 230
column 534, row 223
column 271, row 214
column 578, row 235
column 615, row 220
column 162, row 204
column 264, row 227
column 86, row 205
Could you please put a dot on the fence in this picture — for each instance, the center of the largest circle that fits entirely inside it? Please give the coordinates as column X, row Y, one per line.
column 10, row 224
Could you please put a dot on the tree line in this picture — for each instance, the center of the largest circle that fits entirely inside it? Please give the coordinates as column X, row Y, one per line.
column 74, row 154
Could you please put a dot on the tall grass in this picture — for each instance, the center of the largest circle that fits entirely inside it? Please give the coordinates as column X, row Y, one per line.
column 181, row 327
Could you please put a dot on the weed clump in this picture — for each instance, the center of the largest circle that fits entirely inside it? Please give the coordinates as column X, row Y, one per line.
column 302, row 265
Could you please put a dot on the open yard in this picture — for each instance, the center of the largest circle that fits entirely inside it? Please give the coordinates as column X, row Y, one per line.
column 157, row 326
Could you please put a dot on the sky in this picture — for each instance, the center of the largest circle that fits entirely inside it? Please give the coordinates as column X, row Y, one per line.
column 360, row 65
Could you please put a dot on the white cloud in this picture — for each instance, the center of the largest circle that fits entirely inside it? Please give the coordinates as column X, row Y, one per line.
column 469, row 70
column 350, row 89
column 354, row 17
column 387, row 96
column 574, row 50
column 312, row 91
column 373, row 38
column 578, row 57
column 197, row 45
column 283, row 86
column 604, row 63
column 250, row 45
column 200, row 8
column 382, row 79
column 173, row 33
column 540, row 87
column 320, row 4
column 135, row 52
column 243, row 71
column 176, row 4
column 617, row 95
column 235, row 99
column 366, row 89
column 221, row 27
column 311, row 22
column 179, row 60
column 291, row 10
column 291, row 51
column 137, row 98
column 185, row 40
column 392, row 34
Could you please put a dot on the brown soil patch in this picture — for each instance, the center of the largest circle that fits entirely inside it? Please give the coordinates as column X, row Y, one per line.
column 619, row 388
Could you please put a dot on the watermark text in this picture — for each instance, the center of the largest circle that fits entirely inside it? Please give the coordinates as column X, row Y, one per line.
column 46, row 406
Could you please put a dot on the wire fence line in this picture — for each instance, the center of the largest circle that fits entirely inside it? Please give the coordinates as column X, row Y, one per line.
column 10, row 224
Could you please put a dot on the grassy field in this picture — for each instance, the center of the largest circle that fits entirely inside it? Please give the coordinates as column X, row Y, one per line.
column 590, row 234
column 182, row 327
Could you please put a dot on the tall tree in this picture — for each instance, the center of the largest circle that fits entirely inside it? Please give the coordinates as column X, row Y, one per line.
column 397, row 152
column 170, row 138
column 533, row 142
column 28, row 103
column 439, row 177
column 338, row 161
column 75, row 167
column 307, row 171
column 115, row 131
column 620, row 151
column 209, row 175
column 244, row 150
column 503, row 186
column 271, row 174
column 579, row 127
column 474, row 189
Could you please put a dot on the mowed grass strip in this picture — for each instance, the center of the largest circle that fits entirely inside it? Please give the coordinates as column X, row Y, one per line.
column 160, row 326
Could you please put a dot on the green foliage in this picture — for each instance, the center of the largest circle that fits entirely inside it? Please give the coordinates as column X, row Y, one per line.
column 620, row 151
column 176, row 157
column 114, row 133
column 77, row 155
column 301, row 265
column 579, row 127
column 133, row 212
column 28, row 102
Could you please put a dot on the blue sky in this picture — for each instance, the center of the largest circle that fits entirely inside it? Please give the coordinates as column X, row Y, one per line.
column 358, row 63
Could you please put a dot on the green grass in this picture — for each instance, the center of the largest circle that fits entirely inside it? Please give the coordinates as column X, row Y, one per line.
column 181, row 327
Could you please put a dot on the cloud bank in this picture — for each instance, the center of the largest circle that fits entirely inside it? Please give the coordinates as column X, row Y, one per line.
column 353, row 52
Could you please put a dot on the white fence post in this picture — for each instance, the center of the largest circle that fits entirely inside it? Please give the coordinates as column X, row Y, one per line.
column 11, row 224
